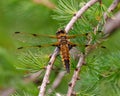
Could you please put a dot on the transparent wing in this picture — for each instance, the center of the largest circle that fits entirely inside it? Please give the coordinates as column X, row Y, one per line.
column 32, row 38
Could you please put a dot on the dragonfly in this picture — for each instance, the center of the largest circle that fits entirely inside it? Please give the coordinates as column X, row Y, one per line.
column 63, row 43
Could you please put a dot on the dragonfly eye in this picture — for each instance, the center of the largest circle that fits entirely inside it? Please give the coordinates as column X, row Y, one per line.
column 60, row 32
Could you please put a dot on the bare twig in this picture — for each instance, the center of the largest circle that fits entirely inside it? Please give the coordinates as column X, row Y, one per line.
column 47, row 74
column 75, row 75
column 112, row 24
column 46, row 3
column 78, row 14
column 57, row 81
column 111, row 8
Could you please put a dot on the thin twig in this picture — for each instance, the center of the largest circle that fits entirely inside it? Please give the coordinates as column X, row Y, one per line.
column 78, row 14
column 47, row 74
column 111, row 8
column 75, row 75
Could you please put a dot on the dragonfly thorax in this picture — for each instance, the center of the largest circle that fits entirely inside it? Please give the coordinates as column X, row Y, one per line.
column 63, row 41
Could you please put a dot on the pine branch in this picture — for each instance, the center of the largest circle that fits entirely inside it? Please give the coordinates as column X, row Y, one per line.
column 78, row 15
column 111, row 8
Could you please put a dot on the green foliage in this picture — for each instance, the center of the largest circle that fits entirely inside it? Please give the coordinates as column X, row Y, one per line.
column 27, row 90
column 31, row 62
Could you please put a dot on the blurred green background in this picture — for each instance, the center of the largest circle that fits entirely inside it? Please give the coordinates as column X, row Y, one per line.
column 24, row 16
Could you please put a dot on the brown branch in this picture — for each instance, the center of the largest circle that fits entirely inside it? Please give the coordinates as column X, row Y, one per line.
column 46, row 3
column 75, row 75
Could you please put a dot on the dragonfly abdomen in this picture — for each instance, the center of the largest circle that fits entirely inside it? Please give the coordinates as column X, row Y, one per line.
column 64, row 51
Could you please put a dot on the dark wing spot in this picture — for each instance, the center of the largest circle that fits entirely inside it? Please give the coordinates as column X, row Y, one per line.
column 53, row 45
column 103, row 47
column 17, row 32
column 86, row 34
column 34, row 35
column 87, row 45
column 20, row 48
column 39, row 46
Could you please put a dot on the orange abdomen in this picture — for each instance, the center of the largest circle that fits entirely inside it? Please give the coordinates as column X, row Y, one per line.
column 64, row 51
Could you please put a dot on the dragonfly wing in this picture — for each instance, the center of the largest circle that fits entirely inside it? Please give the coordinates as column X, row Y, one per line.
column 77, row 35
column 40, row 46
column 36, row 35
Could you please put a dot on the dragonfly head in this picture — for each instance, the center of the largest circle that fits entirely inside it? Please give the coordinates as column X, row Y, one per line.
column 60, row 32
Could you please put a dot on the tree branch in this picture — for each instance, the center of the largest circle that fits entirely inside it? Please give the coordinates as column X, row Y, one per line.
column 78, row 14
column 111, row 8
column 47, row 74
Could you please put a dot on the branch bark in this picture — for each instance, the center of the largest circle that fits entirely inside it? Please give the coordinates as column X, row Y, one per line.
column 47, row 74
column 78, row 14
column 112, row 25
column 111, row 8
